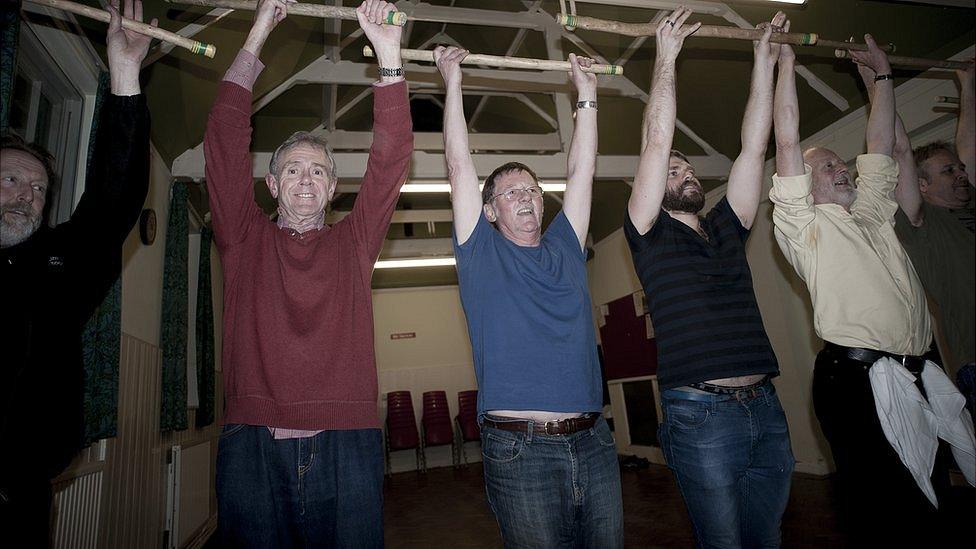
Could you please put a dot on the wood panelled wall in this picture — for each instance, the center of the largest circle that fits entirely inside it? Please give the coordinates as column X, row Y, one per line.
column 134, row 471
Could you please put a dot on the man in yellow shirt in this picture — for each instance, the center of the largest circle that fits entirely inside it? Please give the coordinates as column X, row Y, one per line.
column 868, row 302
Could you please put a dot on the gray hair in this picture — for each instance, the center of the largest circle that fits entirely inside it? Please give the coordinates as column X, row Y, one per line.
column 302, row 138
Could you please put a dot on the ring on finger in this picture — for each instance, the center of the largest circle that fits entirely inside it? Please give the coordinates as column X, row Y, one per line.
column 670, row 22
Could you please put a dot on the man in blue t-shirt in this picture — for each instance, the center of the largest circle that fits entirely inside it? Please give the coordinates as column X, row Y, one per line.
column 549, row 459
column 724, row 433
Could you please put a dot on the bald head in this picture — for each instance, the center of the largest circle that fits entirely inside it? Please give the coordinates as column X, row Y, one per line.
column 832, row 181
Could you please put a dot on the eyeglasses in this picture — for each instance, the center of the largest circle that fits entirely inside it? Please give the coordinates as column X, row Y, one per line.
column 513, row 194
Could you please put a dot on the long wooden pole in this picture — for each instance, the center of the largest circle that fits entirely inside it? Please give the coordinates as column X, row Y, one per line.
column 199, row 48
column 709, row 31
column 397, row 18
column 913, row 62
column 503, row 62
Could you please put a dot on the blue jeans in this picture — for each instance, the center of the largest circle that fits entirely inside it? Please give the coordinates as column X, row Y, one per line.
column 731, row 457
column 554, row 490
column 320, row 491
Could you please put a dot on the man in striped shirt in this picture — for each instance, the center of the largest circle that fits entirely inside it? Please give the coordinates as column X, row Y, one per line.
column 724, row 433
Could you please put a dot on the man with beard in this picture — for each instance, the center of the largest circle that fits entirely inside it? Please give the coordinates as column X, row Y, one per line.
column 551, row 472
column 724, row 433
column 55, row 278
column 870, row 310
column 935, row 223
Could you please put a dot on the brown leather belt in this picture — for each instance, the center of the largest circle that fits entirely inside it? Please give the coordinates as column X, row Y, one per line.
column 566, row 426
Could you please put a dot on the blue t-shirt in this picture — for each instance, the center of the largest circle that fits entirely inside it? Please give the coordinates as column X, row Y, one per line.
column 530, row 321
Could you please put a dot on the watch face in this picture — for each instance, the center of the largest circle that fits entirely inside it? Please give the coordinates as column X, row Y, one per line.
column 147, row 226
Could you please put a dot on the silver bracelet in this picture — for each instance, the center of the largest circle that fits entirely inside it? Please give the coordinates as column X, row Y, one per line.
column 394, row 72
column 586, row 104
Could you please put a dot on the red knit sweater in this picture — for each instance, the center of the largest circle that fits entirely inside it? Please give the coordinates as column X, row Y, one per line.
column 298, row 315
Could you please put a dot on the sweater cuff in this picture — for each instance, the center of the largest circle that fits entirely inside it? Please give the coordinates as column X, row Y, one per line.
column 244, row 70
column 389, row 96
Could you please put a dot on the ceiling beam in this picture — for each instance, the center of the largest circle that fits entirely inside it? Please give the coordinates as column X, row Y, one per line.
column 417, row 247
column 697, row 6
column 471, row 16
column 403, row 216
column 188, row 31
column 821, row 87
column 426, row 165
column 635, row 90
column 434, row 141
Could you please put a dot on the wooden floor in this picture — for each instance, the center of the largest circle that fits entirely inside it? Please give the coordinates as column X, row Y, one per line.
column 446, row 508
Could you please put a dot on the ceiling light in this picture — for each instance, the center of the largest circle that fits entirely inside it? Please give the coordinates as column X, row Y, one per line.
column 417, row 262
column 446, row 187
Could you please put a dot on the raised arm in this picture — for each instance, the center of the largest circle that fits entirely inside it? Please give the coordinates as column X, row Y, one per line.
column 227, row 140
column 880, row 134
column 745, row 179
column 389, row 155
column 966, row 126
column 786, row 116
column 581, row 163
column 658, row 126
column 117, row 184
column 907, row 193
column 465, row 197
column 793, row 210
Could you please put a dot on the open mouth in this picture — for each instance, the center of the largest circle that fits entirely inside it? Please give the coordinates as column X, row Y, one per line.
column 525, row 211
column 305, row 195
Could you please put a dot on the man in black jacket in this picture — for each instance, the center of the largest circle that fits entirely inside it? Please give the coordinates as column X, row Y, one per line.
column 52, row 281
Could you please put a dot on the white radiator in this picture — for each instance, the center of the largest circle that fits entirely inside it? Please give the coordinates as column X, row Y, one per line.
column 187, row 494
column 77, row 505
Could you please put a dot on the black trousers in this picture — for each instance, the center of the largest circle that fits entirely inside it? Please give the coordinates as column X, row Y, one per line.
column 880, row 502
column 25, row 512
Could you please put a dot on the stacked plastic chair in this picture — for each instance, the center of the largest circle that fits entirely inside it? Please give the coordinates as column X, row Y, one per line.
column 466, row 421
column 435, row 425
column 401, row 428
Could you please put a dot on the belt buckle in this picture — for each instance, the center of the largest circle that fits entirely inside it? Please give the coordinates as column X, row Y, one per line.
column 554, row 423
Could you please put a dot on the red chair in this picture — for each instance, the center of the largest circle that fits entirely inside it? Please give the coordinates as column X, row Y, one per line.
column 401, row 428
column 466, row 422
column 435, row 425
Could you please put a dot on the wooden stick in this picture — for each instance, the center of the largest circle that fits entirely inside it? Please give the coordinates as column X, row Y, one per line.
column 397, row 18
column 499, row 61
column 946, row 99
column 709, row 31
column 142, row 28
column 913, row 62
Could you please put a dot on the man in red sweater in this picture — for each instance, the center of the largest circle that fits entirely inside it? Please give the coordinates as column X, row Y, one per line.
column 300, row 456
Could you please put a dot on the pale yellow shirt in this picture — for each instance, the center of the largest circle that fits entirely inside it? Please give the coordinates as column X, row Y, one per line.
column 863, row 286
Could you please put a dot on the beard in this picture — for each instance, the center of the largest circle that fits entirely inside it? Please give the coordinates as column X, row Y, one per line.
column 16, row 228
column 678, row 200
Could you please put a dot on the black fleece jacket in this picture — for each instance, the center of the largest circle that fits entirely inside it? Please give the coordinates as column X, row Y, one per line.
column 51, row 284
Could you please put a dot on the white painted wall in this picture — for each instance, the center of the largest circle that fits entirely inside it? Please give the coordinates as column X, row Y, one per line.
column 438, row 358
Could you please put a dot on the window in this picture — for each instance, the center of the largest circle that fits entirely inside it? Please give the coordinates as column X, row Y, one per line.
column 46, row 108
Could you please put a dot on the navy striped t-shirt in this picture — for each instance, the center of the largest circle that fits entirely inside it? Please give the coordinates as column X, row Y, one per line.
column 701, row 300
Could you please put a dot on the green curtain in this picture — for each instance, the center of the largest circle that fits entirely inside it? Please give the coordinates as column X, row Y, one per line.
column 172, row 416
column 9, row 35
column 205, row 333
column 102, row 337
